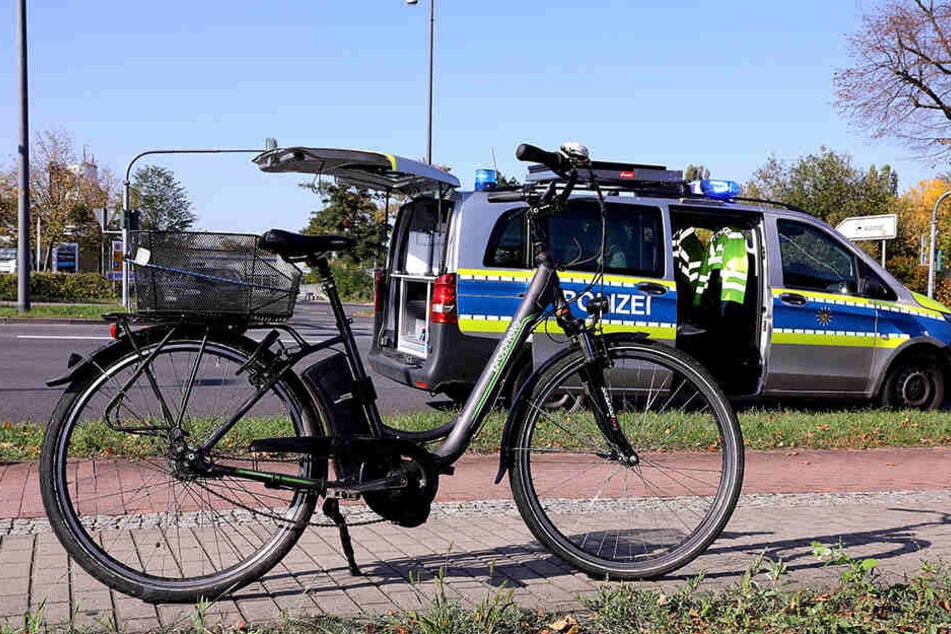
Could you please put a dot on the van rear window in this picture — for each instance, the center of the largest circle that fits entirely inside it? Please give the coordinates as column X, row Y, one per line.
column 634, row 239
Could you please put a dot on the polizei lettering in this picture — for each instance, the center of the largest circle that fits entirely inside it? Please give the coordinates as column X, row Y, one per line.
column 618, row 303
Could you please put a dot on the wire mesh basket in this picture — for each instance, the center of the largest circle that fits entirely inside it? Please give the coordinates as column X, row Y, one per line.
column 210, row 276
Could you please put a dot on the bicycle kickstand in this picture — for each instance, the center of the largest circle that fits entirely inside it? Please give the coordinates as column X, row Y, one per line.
column 332, row 510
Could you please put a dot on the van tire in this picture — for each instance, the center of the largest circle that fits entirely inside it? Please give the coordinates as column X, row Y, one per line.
column 914, row 383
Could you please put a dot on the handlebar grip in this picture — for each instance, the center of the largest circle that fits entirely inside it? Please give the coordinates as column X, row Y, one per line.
column 552, row 160
column 506, row 197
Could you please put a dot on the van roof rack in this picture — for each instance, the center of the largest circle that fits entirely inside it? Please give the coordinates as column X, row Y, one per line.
column 633, row 177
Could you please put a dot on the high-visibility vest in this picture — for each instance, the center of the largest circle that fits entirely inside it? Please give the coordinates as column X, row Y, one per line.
column 688, row 254
column 727, row 253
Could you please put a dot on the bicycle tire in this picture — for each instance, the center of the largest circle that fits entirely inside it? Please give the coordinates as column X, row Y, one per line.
column 607, row 518
column 204, row 542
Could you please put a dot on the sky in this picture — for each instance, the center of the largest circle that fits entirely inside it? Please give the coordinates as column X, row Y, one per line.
column 670, row 82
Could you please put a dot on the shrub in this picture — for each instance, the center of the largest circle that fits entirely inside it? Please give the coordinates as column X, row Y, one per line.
column 354, row 283
column 60, row 287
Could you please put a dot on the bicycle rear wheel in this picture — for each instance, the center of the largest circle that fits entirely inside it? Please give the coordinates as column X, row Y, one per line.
column 614, row 519
column 128, row 508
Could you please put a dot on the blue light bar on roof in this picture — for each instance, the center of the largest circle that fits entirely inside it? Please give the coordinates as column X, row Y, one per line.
column 715, row 188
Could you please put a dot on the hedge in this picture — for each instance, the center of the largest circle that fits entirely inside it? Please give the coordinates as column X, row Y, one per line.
column 60, row 287
column 354, row 283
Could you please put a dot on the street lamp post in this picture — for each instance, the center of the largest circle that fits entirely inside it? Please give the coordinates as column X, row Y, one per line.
column 429, row 98
column 23, row 189
column 934, row 234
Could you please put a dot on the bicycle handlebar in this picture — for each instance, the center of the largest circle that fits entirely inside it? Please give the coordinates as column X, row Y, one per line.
column 555, row 161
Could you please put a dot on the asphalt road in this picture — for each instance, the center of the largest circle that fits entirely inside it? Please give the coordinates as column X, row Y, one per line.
column 32, row 353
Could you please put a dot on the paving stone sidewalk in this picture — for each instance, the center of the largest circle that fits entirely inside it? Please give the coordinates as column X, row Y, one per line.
column 894, row 505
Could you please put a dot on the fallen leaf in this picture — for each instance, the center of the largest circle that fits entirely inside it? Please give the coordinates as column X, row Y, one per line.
column 565, row 625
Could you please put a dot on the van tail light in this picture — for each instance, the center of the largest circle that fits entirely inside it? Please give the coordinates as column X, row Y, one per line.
column 443, row 307
column 378, row 277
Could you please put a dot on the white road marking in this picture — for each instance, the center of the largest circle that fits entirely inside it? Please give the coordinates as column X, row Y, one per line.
column 58, row 337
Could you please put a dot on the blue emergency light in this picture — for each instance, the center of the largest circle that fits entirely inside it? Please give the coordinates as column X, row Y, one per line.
column 715, row 188
column 485, row 179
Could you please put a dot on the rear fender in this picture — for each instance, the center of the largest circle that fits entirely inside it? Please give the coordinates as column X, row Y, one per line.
column 522, row 400
column 79, row 365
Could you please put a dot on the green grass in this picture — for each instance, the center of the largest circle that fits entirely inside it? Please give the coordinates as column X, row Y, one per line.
column 762, row 429
column 62, row 311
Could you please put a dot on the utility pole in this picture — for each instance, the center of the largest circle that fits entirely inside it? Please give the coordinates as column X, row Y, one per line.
column 23, row 190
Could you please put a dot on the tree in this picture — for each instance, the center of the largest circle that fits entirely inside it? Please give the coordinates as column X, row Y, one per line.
column 826, row 185
column 900, row 83
column 352, row 212
column 696, row 172
column 161, row 199
column 502, row 181
column 8, row 206
column 64, row 191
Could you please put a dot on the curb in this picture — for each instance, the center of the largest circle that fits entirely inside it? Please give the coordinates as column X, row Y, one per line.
column 48, row 320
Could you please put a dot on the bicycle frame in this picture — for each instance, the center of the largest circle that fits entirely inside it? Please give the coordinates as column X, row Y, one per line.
column 544, row 291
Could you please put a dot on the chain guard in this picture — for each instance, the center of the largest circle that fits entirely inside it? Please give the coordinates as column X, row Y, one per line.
column 408, row 505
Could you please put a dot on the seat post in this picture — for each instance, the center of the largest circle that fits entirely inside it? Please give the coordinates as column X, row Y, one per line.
column 363, row 385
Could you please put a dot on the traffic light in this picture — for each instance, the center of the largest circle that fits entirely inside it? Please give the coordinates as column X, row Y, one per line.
column 131, row 219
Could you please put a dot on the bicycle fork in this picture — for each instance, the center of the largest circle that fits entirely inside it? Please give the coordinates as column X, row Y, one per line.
column 592, row 375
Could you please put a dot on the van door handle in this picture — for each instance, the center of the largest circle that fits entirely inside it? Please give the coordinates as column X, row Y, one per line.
column 793, row 299
column 652, row 288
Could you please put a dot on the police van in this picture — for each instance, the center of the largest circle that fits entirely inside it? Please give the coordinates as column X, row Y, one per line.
column 773, row 301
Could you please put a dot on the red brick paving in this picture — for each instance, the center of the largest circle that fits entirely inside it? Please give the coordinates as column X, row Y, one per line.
column 873, row 470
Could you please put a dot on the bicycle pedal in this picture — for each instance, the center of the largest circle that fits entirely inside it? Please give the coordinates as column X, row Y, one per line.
column 342, row 494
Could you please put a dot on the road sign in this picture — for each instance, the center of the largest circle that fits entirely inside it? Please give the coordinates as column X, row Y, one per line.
column 880, row 227
column 66, row 258
column 117, row 255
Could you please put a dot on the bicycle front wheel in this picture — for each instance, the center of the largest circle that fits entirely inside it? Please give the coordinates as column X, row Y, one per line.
column 620, row 518
column 117, row 482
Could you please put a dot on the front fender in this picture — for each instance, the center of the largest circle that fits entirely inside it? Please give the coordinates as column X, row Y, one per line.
column 521, row 401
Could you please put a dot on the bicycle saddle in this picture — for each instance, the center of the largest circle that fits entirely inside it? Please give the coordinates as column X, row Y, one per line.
column 290, row 245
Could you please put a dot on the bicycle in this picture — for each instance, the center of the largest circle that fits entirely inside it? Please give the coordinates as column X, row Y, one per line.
column 185, row 459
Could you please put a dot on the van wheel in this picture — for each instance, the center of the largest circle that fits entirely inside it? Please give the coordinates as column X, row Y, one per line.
column 916, row 383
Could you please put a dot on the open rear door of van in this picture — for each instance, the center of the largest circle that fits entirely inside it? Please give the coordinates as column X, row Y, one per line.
column 361, row 168
column 404, row 288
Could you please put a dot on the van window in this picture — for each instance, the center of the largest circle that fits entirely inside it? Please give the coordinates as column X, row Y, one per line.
column 419, row 237
column 508, row 244
column 634, row 239
column 813, row 260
